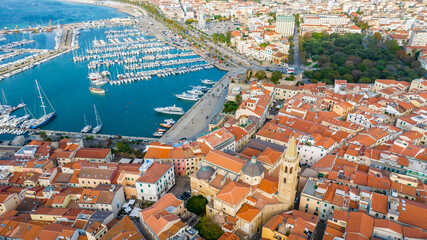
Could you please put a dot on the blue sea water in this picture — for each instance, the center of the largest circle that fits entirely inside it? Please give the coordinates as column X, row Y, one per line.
column 43, row 40
column 23, row 13
column 125, row 109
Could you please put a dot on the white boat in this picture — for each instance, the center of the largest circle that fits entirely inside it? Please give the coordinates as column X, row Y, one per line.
column 87, row 127
column 98, row 122
column 208, row 82
column 170, row 110
column 170, row 121
column 2, row 38
column 195, row 92
column 46, row 116
column 188, row 97
column 157, row 134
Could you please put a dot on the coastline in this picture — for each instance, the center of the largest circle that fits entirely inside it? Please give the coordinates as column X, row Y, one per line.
column 121, row 7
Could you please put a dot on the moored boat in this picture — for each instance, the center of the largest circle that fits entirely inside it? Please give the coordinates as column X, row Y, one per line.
column 188, row 97
column 97, row 90
column 170, row 110
column 166, row 125
column 86, row 127
column 36, row 123
column 208, row 82
column 98, row 126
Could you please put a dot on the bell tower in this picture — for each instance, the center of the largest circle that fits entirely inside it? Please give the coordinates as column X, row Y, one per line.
column 288, row 175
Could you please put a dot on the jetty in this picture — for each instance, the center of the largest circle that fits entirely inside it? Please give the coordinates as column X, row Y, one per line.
column 196, row 120
column 84, row 135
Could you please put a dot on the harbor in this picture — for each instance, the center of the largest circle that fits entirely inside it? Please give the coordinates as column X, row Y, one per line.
column 141, row 72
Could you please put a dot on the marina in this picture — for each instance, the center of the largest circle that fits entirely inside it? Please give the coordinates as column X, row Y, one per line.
column 121, row 55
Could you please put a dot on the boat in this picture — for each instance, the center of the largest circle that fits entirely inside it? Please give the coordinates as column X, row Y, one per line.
column 98, row 121
column 98, row 79
column 166, row 125
column 170, row 121
column 2, row 38
column 36, row 123
column 186, row 96
column 94, row 76
column 97, row 90
column 157, row 134
column 201, row 88
column 170, row 110
column 86, row 127
column 195, row 92
column 161, row 130
column 208, row 82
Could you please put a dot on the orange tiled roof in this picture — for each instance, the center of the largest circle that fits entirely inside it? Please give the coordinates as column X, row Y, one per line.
column 233, row 193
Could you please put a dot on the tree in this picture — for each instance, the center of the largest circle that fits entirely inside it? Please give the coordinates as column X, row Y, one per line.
column 123, row 147
column 260, row 74
column 197, row 204
column 276, row 76
column 208, row 229
column 378, row 36
column 238, row 99
column 43, row 134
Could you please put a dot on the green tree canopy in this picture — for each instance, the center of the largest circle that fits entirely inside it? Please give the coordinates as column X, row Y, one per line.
column 208, row 229
column 197, row 204
column 260, row 74
column 276, row 76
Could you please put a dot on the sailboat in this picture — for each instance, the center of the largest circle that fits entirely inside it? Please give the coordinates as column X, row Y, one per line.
column 4, row 105
column 98, row 122
column 87, row 127
column 46, row 116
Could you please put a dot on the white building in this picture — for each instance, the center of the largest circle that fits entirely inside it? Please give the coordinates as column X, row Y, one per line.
column 330, row 20
column 285, row 25
column 201, row 19
column 418, row 38
column 312, row 150
column 156, row 179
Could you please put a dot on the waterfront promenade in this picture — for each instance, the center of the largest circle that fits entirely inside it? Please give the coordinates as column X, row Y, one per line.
column 83, row 135
column 196, row 120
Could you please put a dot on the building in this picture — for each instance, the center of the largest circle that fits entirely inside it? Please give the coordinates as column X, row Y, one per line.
column 100, row 155
column 244, row 195
column 155, row 180
column 293, row 225
column 104, row 197
column 219, row 139
column 285, row 25
column 162, row 220
column 124, row 229
column 418, row 38
column 8, row 201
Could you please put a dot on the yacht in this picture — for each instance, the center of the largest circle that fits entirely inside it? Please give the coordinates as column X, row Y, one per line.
column 86, row 127
column 98, row 126
column 170, row 121
column 208, row 82
column 170, row 110
column 195, row 92
column 158, row 134
column 46, row 116
column 186, row 96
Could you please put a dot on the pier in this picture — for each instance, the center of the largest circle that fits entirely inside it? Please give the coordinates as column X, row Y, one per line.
column 196, row 120
column 84, row 135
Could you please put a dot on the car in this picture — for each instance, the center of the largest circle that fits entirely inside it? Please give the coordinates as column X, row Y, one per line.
column 187, row 195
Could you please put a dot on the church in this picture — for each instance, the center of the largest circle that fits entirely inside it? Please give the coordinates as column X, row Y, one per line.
column 244, row 194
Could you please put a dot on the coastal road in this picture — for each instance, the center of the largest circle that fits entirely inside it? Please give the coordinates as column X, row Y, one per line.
column 196, row 120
